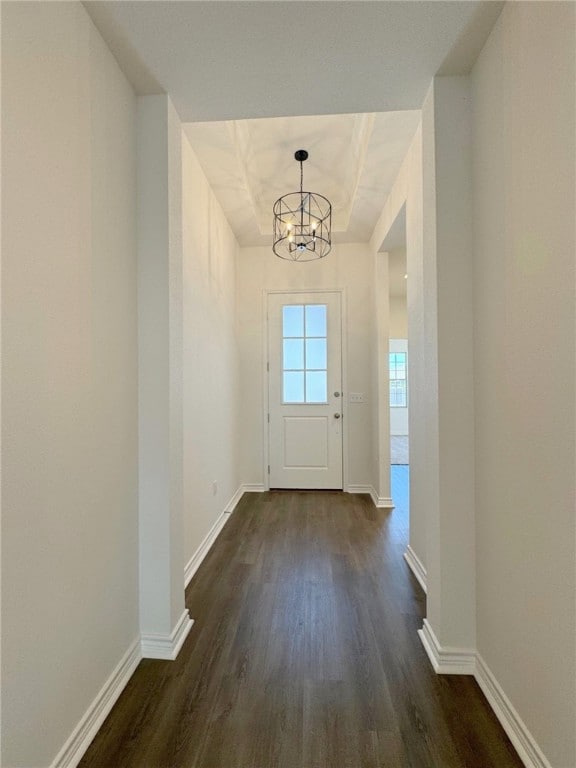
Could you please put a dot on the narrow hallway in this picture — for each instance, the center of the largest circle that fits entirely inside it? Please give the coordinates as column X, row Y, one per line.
column 304, row 654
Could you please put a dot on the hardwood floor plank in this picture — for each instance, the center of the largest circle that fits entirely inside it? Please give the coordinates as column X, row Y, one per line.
column 304, row 654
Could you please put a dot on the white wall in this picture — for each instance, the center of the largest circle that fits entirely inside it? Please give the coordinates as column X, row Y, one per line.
column 524, row 203
column 211, row 378
column 69, row 523
column 398, row 317
column 434, row 185
column 160, row 374
column 348, row 267
column 448, row 340
column 398, row 290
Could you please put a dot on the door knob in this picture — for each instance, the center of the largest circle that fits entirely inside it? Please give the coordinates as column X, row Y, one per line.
column 336, row 415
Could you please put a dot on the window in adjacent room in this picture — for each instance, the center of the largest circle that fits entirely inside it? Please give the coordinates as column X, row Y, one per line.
column 398, row 388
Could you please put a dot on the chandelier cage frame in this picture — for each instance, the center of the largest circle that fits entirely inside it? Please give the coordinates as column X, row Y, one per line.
column 302, row 222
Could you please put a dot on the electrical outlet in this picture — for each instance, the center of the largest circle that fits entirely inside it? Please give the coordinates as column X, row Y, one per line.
column 214, row 488
column 356, row 397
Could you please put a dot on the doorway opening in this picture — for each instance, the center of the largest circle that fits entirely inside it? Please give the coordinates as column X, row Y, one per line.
column 398, row 362
column 394, row 366
column 398, row 375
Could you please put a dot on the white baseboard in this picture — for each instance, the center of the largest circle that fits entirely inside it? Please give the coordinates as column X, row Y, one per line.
column 447, row 661
column 350, row 488
column 458, row 661
column 196, row 560
column 382, row 502
column 82, row 736
column 523, row 741
column 253, row 488
column 232, row 504
column 416, row 566
column 167, row 647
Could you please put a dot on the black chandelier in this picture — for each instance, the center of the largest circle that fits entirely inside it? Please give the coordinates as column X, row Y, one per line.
column 302, row 222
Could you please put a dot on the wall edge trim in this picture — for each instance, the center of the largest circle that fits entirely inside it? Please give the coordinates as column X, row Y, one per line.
column 89, row 724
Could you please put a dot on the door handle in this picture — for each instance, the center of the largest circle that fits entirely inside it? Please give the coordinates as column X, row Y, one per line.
column 336, row 415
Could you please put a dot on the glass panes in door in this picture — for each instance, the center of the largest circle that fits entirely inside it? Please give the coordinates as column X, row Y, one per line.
column 304, row 353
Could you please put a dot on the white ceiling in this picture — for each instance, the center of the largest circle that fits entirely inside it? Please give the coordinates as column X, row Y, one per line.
column 255, row 81
column 353, row 161
column 235, row 59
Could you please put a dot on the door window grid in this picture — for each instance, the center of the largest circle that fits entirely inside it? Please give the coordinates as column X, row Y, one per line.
column 398, row 389
column 304, row 348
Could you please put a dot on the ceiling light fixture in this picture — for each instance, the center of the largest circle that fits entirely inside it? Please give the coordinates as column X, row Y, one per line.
column 302, row 222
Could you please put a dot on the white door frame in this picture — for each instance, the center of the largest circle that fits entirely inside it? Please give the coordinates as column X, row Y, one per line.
column 265, row 375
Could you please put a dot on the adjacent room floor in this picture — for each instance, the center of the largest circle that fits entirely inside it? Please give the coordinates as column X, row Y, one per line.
column 304, row 654
column 399, row 453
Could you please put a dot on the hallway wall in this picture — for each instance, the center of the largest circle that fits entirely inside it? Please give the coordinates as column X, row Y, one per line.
column 69, row 368
column 524, row 203
column 70, row 396
column 210, row 365
column 347, row 266
column 398, row 318
column 398, row 295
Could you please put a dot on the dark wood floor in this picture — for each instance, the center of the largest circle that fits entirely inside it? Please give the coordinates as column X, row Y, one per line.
column 304, row 654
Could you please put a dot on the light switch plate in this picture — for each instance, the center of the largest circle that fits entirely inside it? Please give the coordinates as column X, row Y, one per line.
column 356, row 397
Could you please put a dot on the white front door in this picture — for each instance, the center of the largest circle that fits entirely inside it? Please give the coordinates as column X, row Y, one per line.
column 305, row 390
